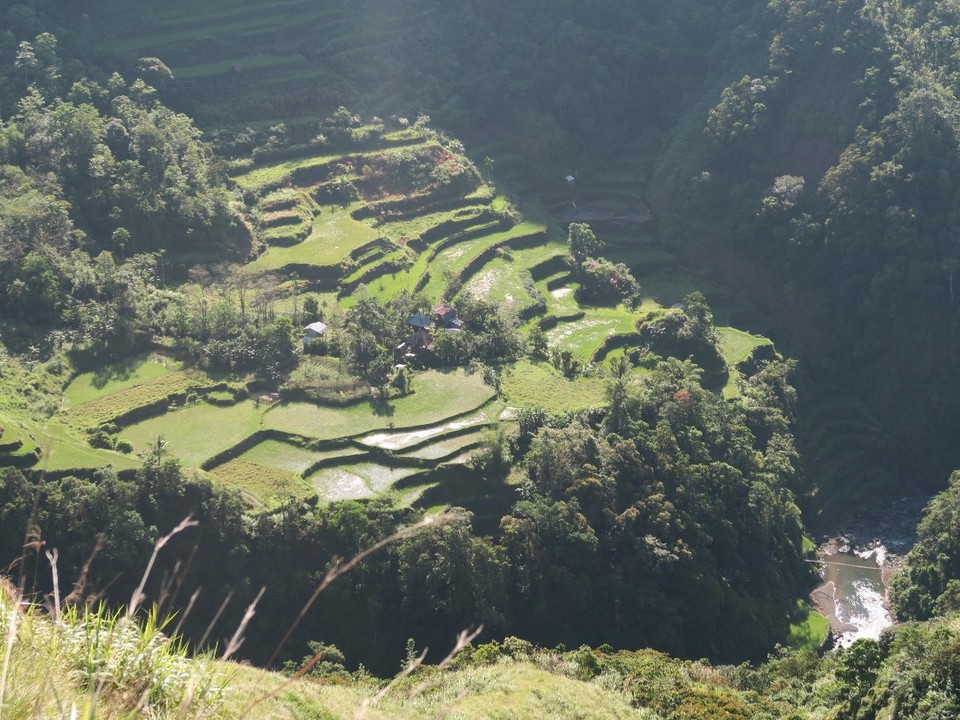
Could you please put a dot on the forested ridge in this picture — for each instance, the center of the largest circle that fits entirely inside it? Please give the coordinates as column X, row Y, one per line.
column 803, row 154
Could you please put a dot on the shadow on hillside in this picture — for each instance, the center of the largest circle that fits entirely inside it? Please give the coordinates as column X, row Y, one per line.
column 121, row 370
column 382, row 407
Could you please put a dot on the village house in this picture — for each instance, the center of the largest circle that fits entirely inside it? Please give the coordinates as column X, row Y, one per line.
column 314, row 331
column 445, row 317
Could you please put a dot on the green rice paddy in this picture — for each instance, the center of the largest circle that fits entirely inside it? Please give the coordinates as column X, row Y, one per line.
column 539, row 384
column 334, row 235
column 223, row 427
column 437, row 395
column 116, row 376
column 261, row 482
column 584, row 336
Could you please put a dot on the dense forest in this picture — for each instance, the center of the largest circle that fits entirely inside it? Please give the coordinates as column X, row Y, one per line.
column 804, row 154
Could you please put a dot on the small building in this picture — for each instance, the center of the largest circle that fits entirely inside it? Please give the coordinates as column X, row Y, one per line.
column 420, row 338
column 445, row 317
column 313, row 331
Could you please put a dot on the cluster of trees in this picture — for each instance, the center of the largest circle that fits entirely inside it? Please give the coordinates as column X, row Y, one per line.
column 688, row 332
column 96, row 185
column 929, row 583
column 679, row 495
column 132, row 173
column 366, row 335
column 602, row 281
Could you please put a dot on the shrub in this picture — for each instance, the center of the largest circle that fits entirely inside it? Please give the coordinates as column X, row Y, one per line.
column 517, row 648
column 606, row 281
column 487, row 654
column 100, row 438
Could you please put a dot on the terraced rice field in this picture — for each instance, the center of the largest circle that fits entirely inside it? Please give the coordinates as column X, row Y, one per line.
column 109, row 407
column 333, row 236
column 223, row 427
column 62, row 447
column 530, row 384
column 437, row 395
column 360, row 480
column 261, row 483
column 403, row 440
column 582, row 337
column 239, row 64
column 288, row 456
column 275, row 467
column 114, row 377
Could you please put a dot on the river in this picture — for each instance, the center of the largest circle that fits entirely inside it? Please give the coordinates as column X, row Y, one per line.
column 853, row 594
column 857, row 564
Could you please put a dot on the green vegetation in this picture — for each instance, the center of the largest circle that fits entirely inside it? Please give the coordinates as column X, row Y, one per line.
column 260, row 482
column 436, row 395
column 284, row 455
column 929, row 584
column 94, row 662
column 583, row 337
column 114, row 377
column 114, row 664
column 107, row 406
column 222, row 427
column 808, row 628
column 333, row 236
column 529, row 384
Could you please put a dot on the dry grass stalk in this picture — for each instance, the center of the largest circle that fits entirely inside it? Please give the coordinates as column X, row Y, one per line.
column 406, row 672
column 138, row 594
column 237, row 640
column 81, row 583
column 464, row 638
column 52, row 557
column 183, row 616
column 223, row 606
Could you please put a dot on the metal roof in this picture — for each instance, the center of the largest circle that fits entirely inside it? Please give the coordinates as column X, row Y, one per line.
column 419, row 320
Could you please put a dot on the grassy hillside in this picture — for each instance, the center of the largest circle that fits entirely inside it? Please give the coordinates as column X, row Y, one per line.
column 97, row 664
column 89, row 664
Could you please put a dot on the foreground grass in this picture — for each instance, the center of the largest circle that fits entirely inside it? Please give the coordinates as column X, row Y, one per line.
column 108, row 665
column 87, row 664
